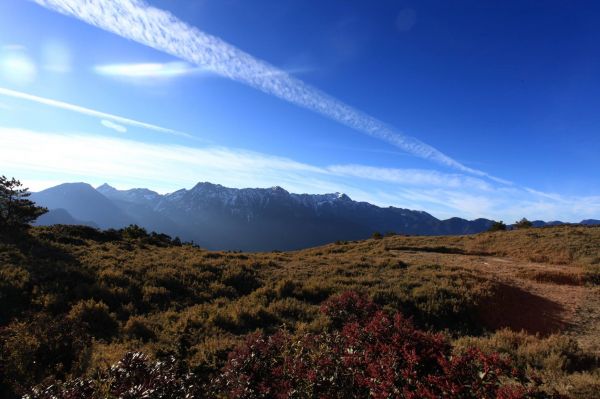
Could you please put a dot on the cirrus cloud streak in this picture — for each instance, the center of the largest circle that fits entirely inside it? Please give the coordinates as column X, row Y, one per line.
column 136, row 20
column 90, row 112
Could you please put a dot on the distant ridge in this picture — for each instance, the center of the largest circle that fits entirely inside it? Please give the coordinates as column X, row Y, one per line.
column 251, row 219
column 590, row 222
column 61, row 216
column 83, row 202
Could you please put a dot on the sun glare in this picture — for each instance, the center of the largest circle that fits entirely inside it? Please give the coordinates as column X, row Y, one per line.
column 17, row 67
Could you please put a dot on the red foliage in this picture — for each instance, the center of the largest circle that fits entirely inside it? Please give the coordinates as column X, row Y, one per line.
column 368, row 354
column 348, row 307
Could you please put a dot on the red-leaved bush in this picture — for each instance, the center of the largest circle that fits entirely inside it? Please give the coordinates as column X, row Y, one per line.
column 366, row 354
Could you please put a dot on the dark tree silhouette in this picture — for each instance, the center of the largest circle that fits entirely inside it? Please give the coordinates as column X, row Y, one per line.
column 497, row 226
column 16, row 210
column 377, row 235
column 523, row 224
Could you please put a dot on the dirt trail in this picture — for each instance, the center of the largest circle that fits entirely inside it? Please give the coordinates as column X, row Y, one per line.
column 523, row 302
column 587, row 326
column 542, row 307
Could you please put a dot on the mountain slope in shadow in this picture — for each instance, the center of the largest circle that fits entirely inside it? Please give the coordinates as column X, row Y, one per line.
column 251, row 219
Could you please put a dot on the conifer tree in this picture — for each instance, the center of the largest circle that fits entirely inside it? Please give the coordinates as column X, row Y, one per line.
column 17, row 211
column 523, row 224
column 497, row 226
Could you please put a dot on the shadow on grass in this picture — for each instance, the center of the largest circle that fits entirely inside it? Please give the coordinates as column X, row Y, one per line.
column 439, row 250
column 38, row 273
column 514, row 308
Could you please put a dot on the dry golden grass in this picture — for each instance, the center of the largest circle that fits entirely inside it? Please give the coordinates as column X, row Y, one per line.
column 556, row 358
column 198, row 304
column 562, row 277
column 562, row 245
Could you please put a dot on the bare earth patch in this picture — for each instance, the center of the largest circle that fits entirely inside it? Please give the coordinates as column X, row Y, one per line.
column 540, row 298
column 524, row 303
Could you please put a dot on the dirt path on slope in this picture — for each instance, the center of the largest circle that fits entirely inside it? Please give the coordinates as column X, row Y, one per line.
column 539, row 298
column 543, row 307
column 587, row 326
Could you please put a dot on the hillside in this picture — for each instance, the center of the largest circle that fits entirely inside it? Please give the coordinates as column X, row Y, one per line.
column 101, row 294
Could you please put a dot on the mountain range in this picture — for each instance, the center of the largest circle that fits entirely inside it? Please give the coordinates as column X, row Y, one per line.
column 250, row 219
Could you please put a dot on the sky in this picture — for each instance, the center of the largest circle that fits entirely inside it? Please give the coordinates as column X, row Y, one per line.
column 464, row 108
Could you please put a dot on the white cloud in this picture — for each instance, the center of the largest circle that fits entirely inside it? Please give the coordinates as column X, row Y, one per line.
column 80, row 157
column 135, row 20
column 42, row 159
column 147, row 72
column 113, row 126
column 153, row 72
column 87, row 111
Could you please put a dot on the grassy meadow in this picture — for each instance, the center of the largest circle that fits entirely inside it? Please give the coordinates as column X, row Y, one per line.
column 74, row 299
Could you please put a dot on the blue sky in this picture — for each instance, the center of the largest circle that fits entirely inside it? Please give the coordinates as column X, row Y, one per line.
column 472, row 109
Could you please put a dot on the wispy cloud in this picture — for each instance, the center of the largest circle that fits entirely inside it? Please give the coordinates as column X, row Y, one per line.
column 145, row 71
column 417, row 177
column 44, row 158
column 96, row 158
column 151, row 72
column 136, row 20
column 113, row 126
column 87, row 111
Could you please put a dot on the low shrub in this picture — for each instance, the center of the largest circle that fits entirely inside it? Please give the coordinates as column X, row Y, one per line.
column 138, row 328
column 96, row 318
column 368, row 353
column 557, row 359
column 556, row 277
column 40, row 349
column 592, row 274
column 554, row 353
column 135, row 376
column 377, row 235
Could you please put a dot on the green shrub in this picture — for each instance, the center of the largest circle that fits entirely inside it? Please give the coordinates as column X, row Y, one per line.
column 138, row 328
column 557, row 359
column 243, row 279
column 523, row 224
column 41, row 348
column 497, row 226
column 377, row 235
column 96, row 317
